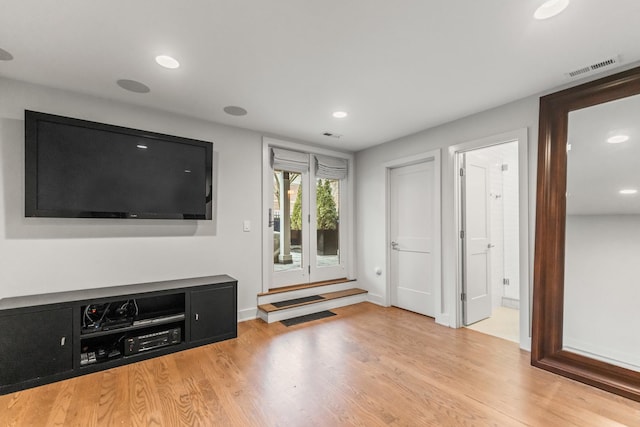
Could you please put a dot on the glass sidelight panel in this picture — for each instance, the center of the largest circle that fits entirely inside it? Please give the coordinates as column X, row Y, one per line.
column 287, row 226
column 328, row 222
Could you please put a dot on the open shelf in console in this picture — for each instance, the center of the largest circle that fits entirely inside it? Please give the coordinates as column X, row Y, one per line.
column 101, row 348
column 106, row 317
column 113, row 329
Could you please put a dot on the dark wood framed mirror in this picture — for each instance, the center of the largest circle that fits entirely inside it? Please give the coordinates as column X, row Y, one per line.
column 549, row 351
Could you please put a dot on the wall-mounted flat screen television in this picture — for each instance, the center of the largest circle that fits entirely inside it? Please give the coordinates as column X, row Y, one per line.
column 81, row 169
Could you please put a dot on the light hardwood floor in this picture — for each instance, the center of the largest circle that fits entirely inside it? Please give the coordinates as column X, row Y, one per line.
column 368, row 366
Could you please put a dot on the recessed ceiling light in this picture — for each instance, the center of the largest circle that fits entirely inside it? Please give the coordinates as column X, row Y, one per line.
column 133, row 86
column 5, row 56
column 628, row 191
column 235, row 111
column 167, row 62
column 550, row 8
column 340, row 114
column 616, row 139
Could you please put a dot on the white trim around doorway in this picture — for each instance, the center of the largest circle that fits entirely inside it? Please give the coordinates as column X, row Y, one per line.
column 454, row 292
column 267, row 242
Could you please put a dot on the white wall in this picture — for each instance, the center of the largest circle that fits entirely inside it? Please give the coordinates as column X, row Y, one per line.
column 40, row 255
column 601, row 287
column 370, row 200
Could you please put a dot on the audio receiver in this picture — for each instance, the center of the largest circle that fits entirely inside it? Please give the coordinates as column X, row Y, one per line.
column 141, row 343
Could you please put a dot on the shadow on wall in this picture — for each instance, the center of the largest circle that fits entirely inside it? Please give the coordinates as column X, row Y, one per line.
column 19, row 227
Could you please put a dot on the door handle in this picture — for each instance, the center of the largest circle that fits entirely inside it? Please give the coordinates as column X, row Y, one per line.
column 394, row 245
column 489, row 246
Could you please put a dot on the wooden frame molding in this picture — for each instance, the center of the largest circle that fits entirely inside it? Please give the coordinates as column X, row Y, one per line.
column 548, row 295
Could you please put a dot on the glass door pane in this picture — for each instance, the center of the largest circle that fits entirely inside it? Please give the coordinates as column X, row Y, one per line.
column 328, row 222
column 288, row 224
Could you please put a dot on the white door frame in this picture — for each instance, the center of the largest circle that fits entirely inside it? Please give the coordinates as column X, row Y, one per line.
column 520, row 136
column 348, row 250
column 433, row 156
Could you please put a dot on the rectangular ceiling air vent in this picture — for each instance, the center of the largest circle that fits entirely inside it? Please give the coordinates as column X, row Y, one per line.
column 594, row 68
column 332, row 135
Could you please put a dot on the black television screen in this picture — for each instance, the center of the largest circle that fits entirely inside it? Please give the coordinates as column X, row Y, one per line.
column 80, row 169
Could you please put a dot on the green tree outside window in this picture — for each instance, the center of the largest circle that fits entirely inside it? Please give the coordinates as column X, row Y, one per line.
column 326, row 208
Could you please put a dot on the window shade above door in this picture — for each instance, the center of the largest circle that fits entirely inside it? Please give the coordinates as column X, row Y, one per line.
column 292, row 161
column 331, row 167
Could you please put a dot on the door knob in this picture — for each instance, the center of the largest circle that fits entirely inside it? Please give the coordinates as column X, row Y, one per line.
column 394, row 245
column 489, row 246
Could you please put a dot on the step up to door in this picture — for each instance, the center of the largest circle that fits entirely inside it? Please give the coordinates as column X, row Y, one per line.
column 303, row 286
column 304, row 290
column 293, row 307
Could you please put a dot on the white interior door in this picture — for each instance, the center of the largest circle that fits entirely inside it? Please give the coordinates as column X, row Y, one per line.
column 412, row 227
column 476, row 242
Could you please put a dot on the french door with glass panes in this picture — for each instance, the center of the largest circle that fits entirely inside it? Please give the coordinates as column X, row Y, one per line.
column 306, row 211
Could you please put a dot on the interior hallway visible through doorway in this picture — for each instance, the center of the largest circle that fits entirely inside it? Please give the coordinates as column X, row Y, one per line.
column 502, row 198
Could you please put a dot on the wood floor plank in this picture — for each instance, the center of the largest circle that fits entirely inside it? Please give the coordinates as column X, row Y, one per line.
column 207, row 406
column 14, row 408
column 113, row 403
column 145, row 406
column 83, row 411
column 61, row 404
column 367, row 366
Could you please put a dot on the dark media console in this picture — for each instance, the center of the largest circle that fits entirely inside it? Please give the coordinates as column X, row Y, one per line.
column 51, row 337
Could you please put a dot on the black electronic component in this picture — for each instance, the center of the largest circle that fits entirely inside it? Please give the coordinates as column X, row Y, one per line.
column 150, row 341
column 108, row 316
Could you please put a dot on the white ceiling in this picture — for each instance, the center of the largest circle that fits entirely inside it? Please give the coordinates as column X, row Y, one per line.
column 397, row 67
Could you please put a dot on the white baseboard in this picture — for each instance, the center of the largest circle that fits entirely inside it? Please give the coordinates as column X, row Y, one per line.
column 247, row 314
column 376, row 299
column 511, row 303
column 444, row 319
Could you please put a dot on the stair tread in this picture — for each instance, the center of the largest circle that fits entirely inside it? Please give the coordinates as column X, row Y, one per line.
column 305, row 286
column 269, row 308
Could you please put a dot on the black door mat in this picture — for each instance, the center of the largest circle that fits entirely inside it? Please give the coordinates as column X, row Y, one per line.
column 289, row 302
column 308, row 318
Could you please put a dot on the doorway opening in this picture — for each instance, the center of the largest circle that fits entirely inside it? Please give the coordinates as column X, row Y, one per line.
column 307, row 238
column 490, row 227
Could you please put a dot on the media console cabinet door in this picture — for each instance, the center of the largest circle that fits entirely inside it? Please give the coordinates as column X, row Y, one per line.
column 34, row 345
column 213, row 314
